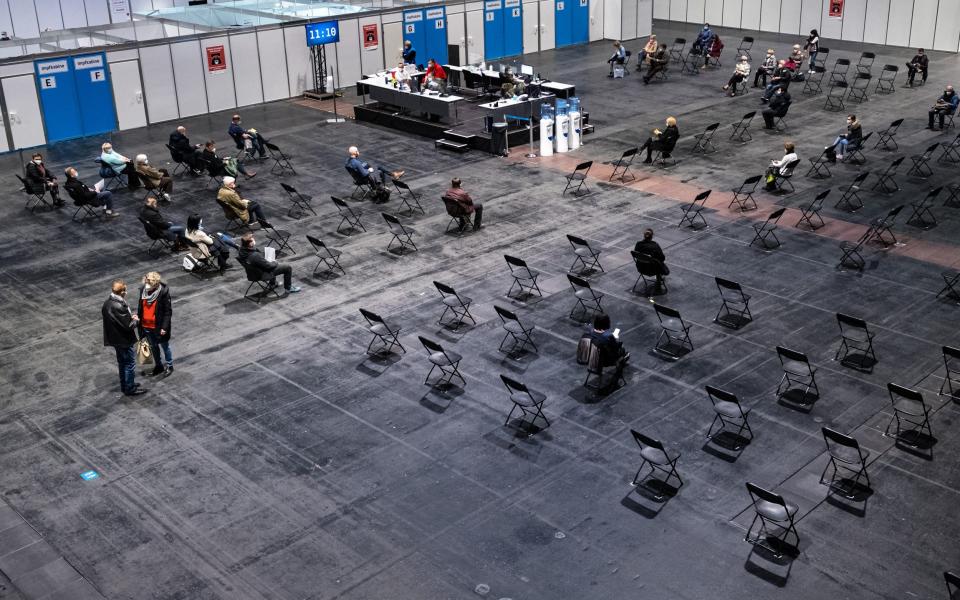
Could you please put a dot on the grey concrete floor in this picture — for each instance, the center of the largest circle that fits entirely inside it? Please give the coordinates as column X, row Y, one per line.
column 280, row 462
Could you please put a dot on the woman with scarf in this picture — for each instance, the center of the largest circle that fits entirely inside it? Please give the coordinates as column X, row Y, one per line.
column 155, row 311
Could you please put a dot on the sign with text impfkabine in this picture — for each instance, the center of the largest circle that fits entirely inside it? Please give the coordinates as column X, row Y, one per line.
column 836, row 8
column 371, row 37
column 216, row 59
column 325, row 32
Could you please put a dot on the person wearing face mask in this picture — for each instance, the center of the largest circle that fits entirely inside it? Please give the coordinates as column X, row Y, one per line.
column 946, row 105
column 207, row 245
column 766, row 69
column 256, row 264
column 154, row 313
column 242, row 136
column 82, row 194
column 702, row 43
column 812, row 46
column 409, row 54
column 920, row 62
column 847, row 141
column 158, row 179
column 119, row 332
column 228, row 198
column 740, row 74
column 150, row 213
column 40, row 180
column 223, row 166
column 119, row 165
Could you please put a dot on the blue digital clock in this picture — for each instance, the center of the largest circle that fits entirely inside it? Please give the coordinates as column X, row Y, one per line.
column 325, row 32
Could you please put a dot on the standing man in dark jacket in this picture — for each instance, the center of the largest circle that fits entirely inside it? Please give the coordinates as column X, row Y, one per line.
column 664, row 141
column 257, row 265
column 118, row 331
column 82, row 194
column 39, row 180
column 919, row 62
column 468, row 204
column 184, row 151
column 154, row 313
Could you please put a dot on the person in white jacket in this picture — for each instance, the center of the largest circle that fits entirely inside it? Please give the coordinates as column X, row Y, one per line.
column 740, row 74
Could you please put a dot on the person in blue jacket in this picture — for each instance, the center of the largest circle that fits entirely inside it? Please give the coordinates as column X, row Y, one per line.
column 702, row 43
column 946, row 105
column 409, row 53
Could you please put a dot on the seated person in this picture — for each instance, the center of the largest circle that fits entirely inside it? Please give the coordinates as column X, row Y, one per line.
column 409, row 54
column 159, row 179
column 85, row 195
column 664, row 141
column 207, row 245
column 795, row 60
column 658, row 62
column 218, row 167
column 609, row 350
column 946, row 105
column 780, row 78
column 363, row 171
column 40, row 180
column 652, row 249
column 508, row 78
column 228, row 197
column 246, row 137
column 780, row 167
column 619, row 56
column 766, row 69
column 846, row 141
column 253, row 260
column 185, row 152
column 119, row 164
column 777, row 108
column 435, row 78
column 740, row 73
column 702, row 43
column 649, row 50
column 920, row 62
column 150, row 213
column 714, row 50
column 471, row 206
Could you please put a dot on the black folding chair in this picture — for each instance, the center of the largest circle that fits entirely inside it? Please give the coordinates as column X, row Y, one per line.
column 328, row 257
column 177, row 159
column 860, row 88
column 953, row 585
column 692, row 211
column 766, row 229
column 885, row 83
column 691, row 62
column 578, row 179
column 950, row 154
column 951, row 289
column 408, row 197
column 201, row 263
column 729, row 411
column 658, row 458
column 649, row 268
column 783, row 176
column 819, row 166
column 459, row 217
column 953, row 195
column 865, row 64
column 741, row 129
column 159, row 240
column 911, row 415
column 235, row 222
column 835, row 96
column 850, row 201
column 588, row 300
column 674, row 339
column 888, row 135
column 886, row 182
column 281, row 162
column 299, row 202
column 811, row 210
column 264, row 283
column 34, row 200
column 676, row 50
column 400, row 233
column 839, row 72
column 587, row 256
column 214, row 172
column 349, row 216
column 856, row 344
column 362, row 184
column 88, row 212
column 110, row 177
column 529, row 402
column 922, row 210
column 851, row 251
column 777, row 522
column 884, row 224
column 813, row 83
column 447, row 361
column 921, row 162
column 520, row 335
column 704, row 143
column 854, row 153
column 845, row 453
column 458, row 306
column 385, row 334
column 822, row 55
column 746, row 44
column 280, row 237
column 621, row 168
column 743, row 195
column 798, row 375
column 524, row 278
column 951, row 364
column 735, row 308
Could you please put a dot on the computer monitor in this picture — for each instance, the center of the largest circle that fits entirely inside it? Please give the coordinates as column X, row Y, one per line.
column 526, row 70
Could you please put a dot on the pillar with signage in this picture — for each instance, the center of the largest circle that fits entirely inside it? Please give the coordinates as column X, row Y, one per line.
column 427, row 31
column 76, row 96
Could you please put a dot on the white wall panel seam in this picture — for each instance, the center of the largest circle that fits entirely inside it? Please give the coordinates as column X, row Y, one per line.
column 173, row 75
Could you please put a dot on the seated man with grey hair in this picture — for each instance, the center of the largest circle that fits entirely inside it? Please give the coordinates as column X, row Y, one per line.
column 362, row 169
column 229, row 198
column 156, row 179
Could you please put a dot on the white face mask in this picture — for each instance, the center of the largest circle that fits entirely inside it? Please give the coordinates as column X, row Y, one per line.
column 38, row 161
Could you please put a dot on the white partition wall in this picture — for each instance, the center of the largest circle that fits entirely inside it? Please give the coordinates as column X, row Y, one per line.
column 923, row 23
column 457, row 33
column 348, row 58
column 661, row 9
column 128, row 94
column 770, row 15
column 23, row 108
column 531, row 26
column 299, row 65
column 613, row 20
column 947, row 33
column 273, row 54
column 854, row 18
column 598, row 18
column 830, row 27
column 898, row 25
column 188, row 74
column 696, row 11
column 731, row 13
column 548, row 17
column 218, row 81
column 245, row 69
column 712, row 12
column 629, row 19
column 158, row 83
column 644, row 18
column 790, row 17
column 392, row 40
column 371, row 59
column 750, row 14
column 678, row 10
column 474, row 16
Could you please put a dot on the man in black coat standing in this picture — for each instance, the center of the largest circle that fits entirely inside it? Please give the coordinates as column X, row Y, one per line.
column 118, row 331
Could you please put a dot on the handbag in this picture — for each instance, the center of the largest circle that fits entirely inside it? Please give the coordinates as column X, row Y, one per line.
column 144, row 353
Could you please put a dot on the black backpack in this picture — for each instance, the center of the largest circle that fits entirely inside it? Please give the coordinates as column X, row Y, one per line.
column 381, row 195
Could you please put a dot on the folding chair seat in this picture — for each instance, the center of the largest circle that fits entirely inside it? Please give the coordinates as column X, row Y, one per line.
column 822, row 55
column 743, row 195
column 663, row 158
column 621, row 168
column 798, row 376
column 408, row 197
column 400, row 233
column 110, row 177
column 447, row 361
column 835, row 95
column 281, row 162
column 911, row 415
column 856, row 344
column 693, row 210
column 674, row 332
column 578, row 179
column 260, row 281
column 854, row 153
column 921, row 162
column 348, row 215
column 458, row 306
column 845, row 453
column 851, row 251
column 299, row 202
column 649, row 268
column 585, row 255
column 950, row 153
column 88, row 213
column 811, row 210
column 658, row 458
column 839, row 72
column 520, row 335
column 850, row 200
column 888, row 135
column 922, row 210
column 530, row 403
column 160, row 241
column 766, row 229
column 885, row 83
column 953, row 195
column 739, row 87
column 819, row 166
column 951, row 364
column 777, row 522
column 883, row 225
column 588, row 300
column 860, row 88
column 953, row 585
column 459, row 217
column 951, row 289
column 886, row 182
column 780, row 122
column 813, row 83
column 741, row 129
column 703, row 140
column 746, row 44
column 361, row 183
column 385, row 334
column 177, row 161
column 728, row 411
column 280, row 237
column 676, row 50
column 524, row 278
column 865, row 64
column 327, row 256
column 34, row 200
column 782, row 179
column 735, row 305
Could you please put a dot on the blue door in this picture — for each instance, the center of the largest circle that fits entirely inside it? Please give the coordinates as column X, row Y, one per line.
column 58, row 99
column 512, row 28
column 580, row 22
column 414, row 31
column 562, row 22
column 492, row 30
column 95, row 92
column 435, row 35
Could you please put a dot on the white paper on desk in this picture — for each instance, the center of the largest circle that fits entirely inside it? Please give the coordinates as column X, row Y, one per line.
column 98, row 186
column 270, row 254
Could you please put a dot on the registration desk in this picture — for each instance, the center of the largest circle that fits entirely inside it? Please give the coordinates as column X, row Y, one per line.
column 432, row 103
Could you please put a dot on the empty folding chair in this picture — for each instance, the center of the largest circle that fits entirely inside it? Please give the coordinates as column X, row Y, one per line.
column 922, row 215
column 578, row 179
column 281, row 162
column 447, row 361
column 703, row 140
column 361, row 183
column 328, row 257
column 741, row 129
column 835, row 96
column 950, row 153
column 845, row 453
column 839, row 72
column 766, row 229
column 348, row 215
column 746, row 44
column 798, row 374
column 530, row 403
column 691, row 212
column 385, row 334
column 884, row 225
column 400, row 233
column 34, row 200
column 454, row 303
column 856, row 344
column 850, row 201
column 649, row 268
column 865, row 64
column 408, row 197
column 676, row 50
column 280, row 237
column 783, row 176
column 524, row 278
column 811, row 210
column 519, row 334
column 813, row 83
column 584, row 255
column 743, row 195
column 953, row 196
column 819, row 166
column 674, row 339
column 953, row 585
column 588, row 300
column 851, row 251
column 886, row 182
column 621, row 168
column 854, row 153
column 657, row 458
column 822, row 55
column 776, row 518
column 885, row 81
column 735, row 305
column 911, row 415
column 860, row 87
column 888, row 135
column 951, row 364
column 729, row 411
column 952, row 287
column 921, row 162
column 300, row 202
